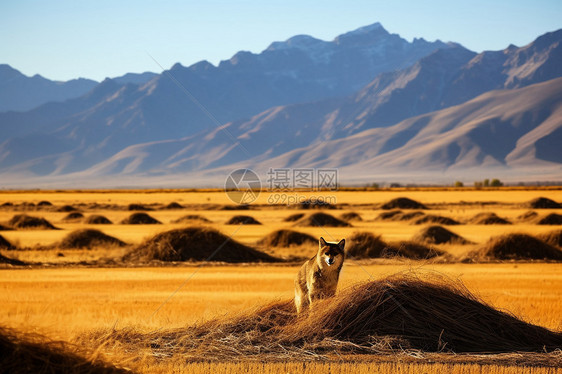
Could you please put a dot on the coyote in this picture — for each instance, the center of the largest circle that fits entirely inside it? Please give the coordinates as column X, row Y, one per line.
column 318, row 277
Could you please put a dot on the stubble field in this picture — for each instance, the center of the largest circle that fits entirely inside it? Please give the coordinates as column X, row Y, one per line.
column 86, row 296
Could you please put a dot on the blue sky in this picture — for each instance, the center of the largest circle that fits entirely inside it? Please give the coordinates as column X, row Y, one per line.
column 96, row 39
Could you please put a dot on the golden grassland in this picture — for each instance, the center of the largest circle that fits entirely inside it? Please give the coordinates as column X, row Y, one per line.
column 68, row 302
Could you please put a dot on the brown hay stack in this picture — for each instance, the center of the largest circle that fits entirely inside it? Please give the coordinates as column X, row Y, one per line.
column 23, row 221
column 196, row 244
column 44, row 203
column 430, row 218
column 313, row 204
column 66, row 208
column 293, row 217
column 5, row 228
column 190, row 218
column 367, row 245
column 287, row 238
column 138, row 207
column 321, row 219
column 96, row 219
column 89, row 238
column 5, row 244
column 403, row 203
column 73, row 217
column 438, row 235
column 488, row 218
column 32, row 353
column 528, row 216
column 543, row 203
column 552, row 237
column 516, row 247
column 351, row 216
column 173, row 206
column 140, row 219
column 396, row 314
column 550, row 219
column 242, row 220
column 10, row 261
column 398, row 215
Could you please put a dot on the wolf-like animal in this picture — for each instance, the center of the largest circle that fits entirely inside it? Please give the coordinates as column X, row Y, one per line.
column 318, row 277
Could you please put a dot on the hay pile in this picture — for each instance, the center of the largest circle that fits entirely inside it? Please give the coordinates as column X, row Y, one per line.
column 196, row 244
column 96, row 219
column 138, row 207
column 140, row 219
column 66, row 208
column 32, row 353
column 366, row 245
column 287, row 238
column 438, row 235
column 5, row 244
column 527, row 216
column 515, row 247
column 313, row 204
column 551, row 219
column 73, row 217
column 320, row 220
column 89, row 238
column 488, row 218
column 242, row 220
column 10, row 261
column 293, row 217
column 23, row 221
column 44, row 203
column 190, row 218
column 398, row 215
column 5, row 228
column 543, row 203
column 351, row 216
column 396, row 314
column 173, row 206
column 430, row 218
column 553, row 238
column 403, row 203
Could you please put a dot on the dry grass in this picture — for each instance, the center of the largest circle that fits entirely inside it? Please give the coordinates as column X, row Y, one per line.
column 488, row 218
column 516, row 247
column 553, row 238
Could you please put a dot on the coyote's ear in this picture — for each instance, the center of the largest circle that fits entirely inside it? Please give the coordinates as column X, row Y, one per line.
column 322, row 242
column 341, row 244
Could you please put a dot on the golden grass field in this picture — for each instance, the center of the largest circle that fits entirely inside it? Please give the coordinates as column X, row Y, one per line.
column 66, row 301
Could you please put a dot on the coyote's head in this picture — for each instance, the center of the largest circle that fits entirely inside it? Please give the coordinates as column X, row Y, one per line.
column 331, row 254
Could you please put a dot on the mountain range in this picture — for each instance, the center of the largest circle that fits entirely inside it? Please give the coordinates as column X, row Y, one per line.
column 368, row 102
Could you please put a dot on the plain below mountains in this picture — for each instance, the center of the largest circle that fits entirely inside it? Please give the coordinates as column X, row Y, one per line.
column 367, row 102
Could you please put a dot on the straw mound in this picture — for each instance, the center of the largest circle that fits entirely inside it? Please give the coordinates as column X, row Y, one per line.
column 23, row 221
column 242, row 220
column 367, row 245
column 32, row 353
column 138, row 207
column 438, row 235
column 314, row 204
column 398, row 215
column 66, row 208
column 234, row 207
column 5, row 244
column 89, row 238
column 173, row 205
column 553, row 238
column 379, row 317
column 7, row 204
column 287, row 238
column 74, row 216
column 10, row 261
column 294, row 217
column 403, row 203
column 543, row 203
column 351, row 216
column 44, row 203
column 190, row 218
column 140, row 219
column 96, row 219
column 319, row 220
column 488, row 218
column 196, row 244
column 430, row 218
column 5, row 228
column 516, row 247
column 551, row 219
column 527, row 216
